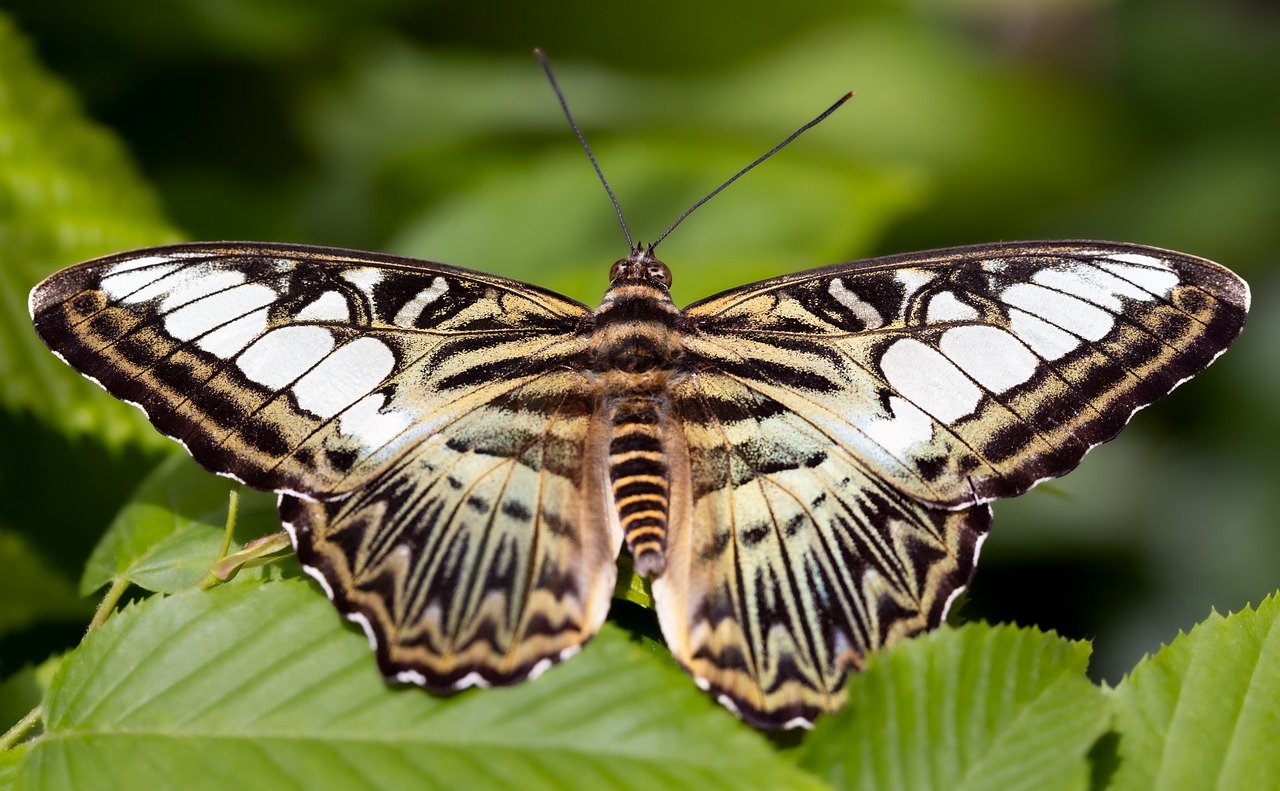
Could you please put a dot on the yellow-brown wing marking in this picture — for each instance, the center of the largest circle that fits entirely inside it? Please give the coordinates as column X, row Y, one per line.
column 788, row 560
column 486, row 553
column 974, row 373
column 299, row 369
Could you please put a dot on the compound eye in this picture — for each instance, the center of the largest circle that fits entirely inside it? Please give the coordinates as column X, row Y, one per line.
column 618, row 270
column 660, row 273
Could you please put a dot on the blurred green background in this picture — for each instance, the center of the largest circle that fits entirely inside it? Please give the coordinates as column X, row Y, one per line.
column 427, row 129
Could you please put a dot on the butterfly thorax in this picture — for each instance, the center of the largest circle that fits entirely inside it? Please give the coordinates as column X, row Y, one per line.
column 636, row 349
column 636, row 328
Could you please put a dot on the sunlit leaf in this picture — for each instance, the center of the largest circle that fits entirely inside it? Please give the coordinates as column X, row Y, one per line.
column 1204, row 712
column 264, row 684
column 67, row 193
column 978, row 707
column 167, row 537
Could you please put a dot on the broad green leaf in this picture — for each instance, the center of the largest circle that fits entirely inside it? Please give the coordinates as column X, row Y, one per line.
column 67, row 193
column 31, row 591
column 1204, row 712
column 167, row 537
column 9, row 761
column 263, row 684
column 960, row 709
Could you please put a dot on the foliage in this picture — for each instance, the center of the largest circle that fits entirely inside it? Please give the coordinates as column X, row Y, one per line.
column 427, row 130
column 260, row 679
column 165, row 536
column 977, row 707
column 260, row 683
column 1203, row 712
column 66, row 194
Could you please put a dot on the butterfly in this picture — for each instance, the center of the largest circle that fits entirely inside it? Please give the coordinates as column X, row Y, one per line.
column 801, row 466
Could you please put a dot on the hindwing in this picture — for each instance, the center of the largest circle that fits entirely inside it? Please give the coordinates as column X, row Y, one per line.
column 790, row 558
column 299, row 369
column 487, row 552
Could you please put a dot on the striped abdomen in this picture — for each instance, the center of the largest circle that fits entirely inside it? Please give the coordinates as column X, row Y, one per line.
column 640, row 479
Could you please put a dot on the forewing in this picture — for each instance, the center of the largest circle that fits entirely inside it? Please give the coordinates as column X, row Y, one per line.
column 486, row 553
column 973, row 373
column 298, row 369
column 788, row 558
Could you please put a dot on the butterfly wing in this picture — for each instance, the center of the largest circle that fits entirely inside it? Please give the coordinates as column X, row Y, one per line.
column 483, row 555
column 420, row 421
column 299, row 369
column 843, row 427
column 976, row 372
column 789, row 558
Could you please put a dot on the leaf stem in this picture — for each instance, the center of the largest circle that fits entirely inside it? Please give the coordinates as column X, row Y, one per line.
column 108, row 604
column 20, row 729
column 233, row 506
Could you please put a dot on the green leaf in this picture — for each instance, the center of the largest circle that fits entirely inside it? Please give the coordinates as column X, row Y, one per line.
column 9, row 761
column 1204, row 712
column 67, row 193
column 31, row 591
column 167, row 537
column 264, row 684
column 969, row 708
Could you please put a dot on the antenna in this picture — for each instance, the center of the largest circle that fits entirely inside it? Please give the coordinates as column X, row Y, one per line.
column 564, row 105
column 760, row 159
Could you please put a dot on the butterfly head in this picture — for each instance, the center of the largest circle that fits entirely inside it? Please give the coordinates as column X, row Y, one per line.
column 641, row 265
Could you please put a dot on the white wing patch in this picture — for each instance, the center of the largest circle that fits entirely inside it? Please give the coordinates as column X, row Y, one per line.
column 947, row 307
column 1140, row 258
column 923, row 376
column 201, row 316
column 364, row 279
column 994, row 358
column 1044, row 339
column 344, row 377
column 1061, row 310
column 191, row 286
column 282, row 355
column 408, row 315
column 125, row 283
column 905, row 428
column 862, row 310
column 231, row 338
column 366, row 422
column 1156, row 281
column 329, row 306
column 913, row 280
column 1094, row 285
